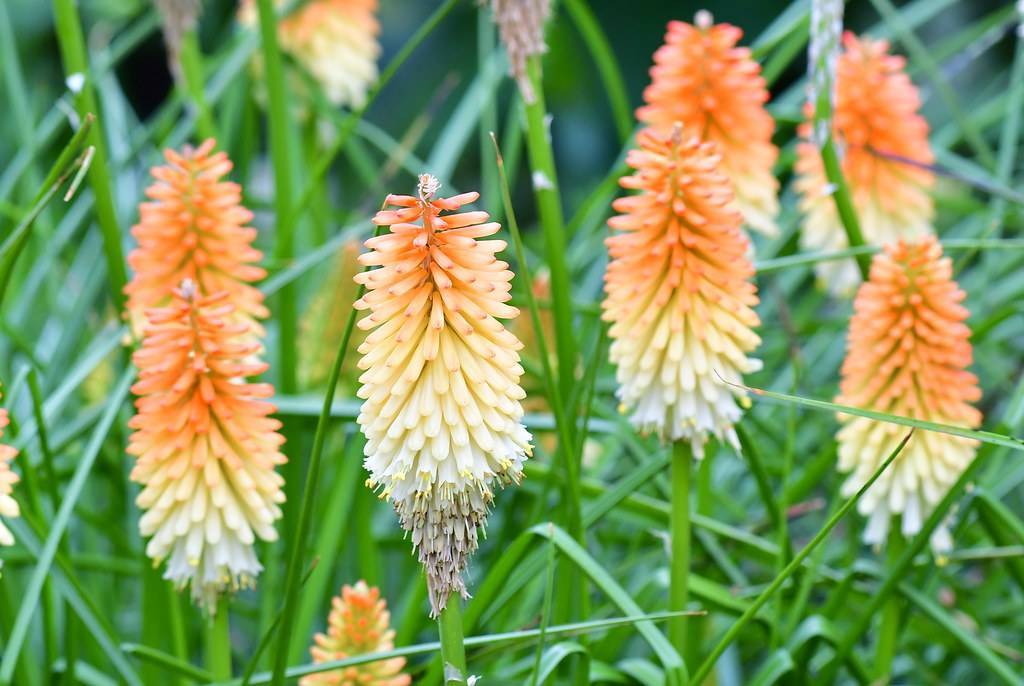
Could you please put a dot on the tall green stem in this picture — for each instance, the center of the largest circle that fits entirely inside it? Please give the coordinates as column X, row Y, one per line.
column 281, row 154
column 453, row 649
column 218, row 642
column 844, row 204
column 79, row 78
column 888, row 637
column 679, row 521
column 191, row 59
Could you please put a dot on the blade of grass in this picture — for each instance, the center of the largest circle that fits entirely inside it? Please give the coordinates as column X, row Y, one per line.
column 29, row 533
column 545, row 615
column 734, row 631
column 168, row 663
column 549, row 205
column 67, row 162
column 824, row 406
column 1004, row 527
column 330, row 539
column 268, row 635
column 806, row 259
column 675, row 669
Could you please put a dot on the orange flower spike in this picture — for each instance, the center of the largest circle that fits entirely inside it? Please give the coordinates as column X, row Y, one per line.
column 357, row 625
column 679, row 295
column 908, row 353
column 876, row 114
column 8, row 505
column 195, row 228
column 441, row 414
column 703, row 80
column 334, row 40
column 205, row 444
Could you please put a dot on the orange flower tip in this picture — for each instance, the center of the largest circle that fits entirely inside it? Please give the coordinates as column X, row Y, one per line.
column 194, row 229
column 908, row 353
column 704, row 80
column 441, row 412
column 680, row 315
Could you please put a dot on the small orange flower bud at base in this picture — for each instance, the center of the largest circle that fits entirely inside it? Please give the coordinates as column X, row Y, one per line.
column 358, row 624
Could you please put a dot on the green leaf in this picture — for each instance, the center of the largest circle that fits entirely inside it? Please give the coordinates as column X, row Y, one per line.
column 825, row 406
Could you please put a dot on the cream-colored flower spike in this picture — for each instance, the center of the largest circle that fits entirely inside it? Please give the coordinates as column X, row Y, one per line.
column 442, row 413
column 679, row 295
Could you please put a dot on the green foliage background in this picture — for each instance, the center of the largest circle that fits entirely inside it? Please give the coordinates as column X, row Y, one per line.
column 102, row 608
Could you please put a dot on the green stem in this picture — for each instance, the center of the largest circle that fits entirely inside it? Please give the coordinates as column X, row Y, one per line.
column 280, row 152
column 453, row 649
column 888, row 637
column 844, row 204
column 76, row 67
column 549, row 206
column 679, row 522
column 218, row 642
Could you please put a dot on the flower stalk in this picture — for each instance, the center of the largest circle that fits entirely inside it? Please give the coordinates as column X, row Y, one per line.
column 679, row 523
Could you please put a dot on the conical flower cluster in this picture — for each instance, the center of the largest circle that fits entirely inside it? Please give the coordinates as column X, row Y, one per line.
column 441, row 382
column 908, row 353
column 195, row 228
column 357, row 625
column 206, row 444
column 703, row 80
column 875, row 120
column 8, row 505
column 334, row 40
column 679, row 294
